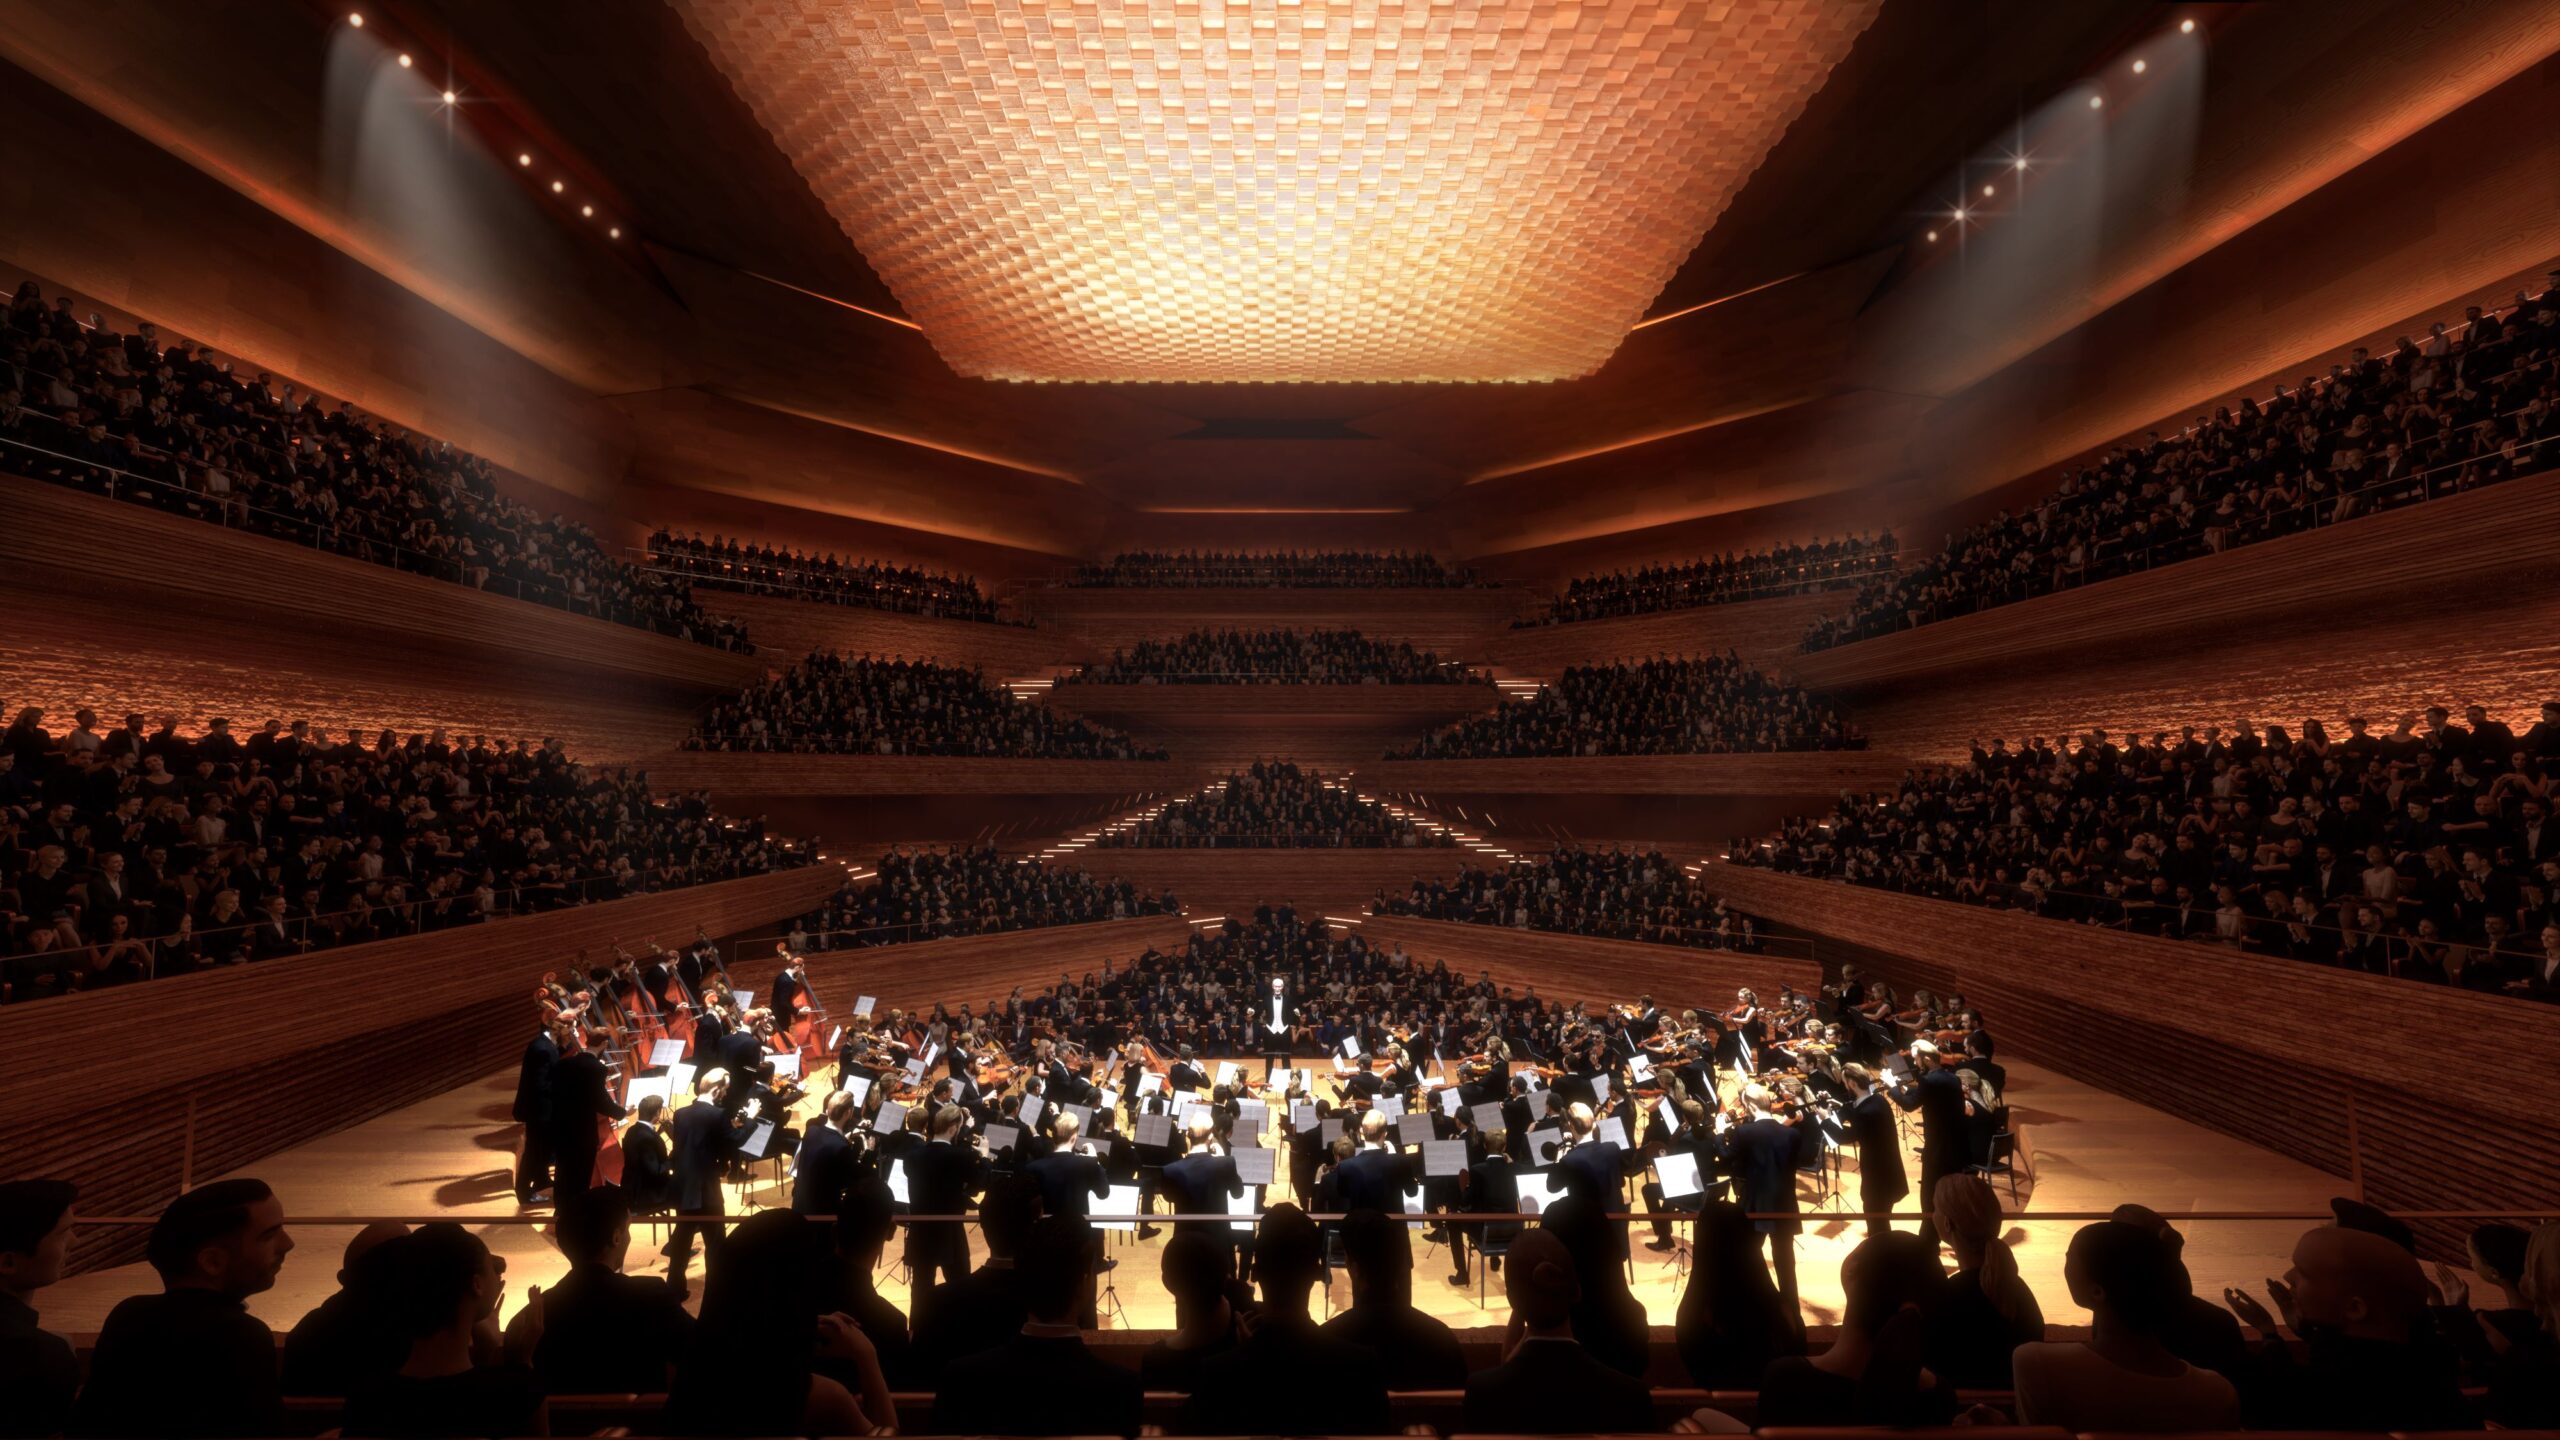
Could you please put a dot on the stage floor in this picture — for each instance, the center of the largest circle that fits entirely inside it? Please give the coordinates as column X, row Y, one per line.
column 450, row 1158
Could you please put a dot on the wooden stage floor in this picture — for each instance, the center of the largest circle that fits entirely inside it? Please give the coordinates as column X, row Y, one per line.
column 2087, row 1150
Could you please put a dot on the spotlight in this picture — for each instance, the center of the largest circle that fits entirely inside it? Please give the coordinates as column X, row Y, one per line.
column 2186, row 27
column 1959, row 216
column 524, row 159
column 406, row 62
column 1986, row 192
column 450, row 97
column 2141, row 65
column 1933, row 237
column 615, row 232
column 557, row 187
column 2097, row 100
column 588, row 211
column 356, row 19
column 2022, row 162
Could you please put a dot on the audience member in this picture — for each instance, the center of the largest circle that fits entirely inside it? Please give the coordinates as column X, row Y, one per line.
column 1282, row 569
column 1547, row 1383
column 1732, row 1322
column 2428, row 853
column 38, row 1371
column 1199, row 1273
column 356, row 1335
column 172, row 428
column 1874, row 1373
column 192, row 1360
column 2524, row 1388
column 604, row 1332
column 1042, row 1380
column 1272, row 657
column 922, row 894
column 1416, row 1351
column 1712, row 706
column 2195, row 1329
column 2124, row 1376
column 1988, row 1311
column 1288, row 1377
column 833, row 705
column 718, row 564
column 205, row 851
column 2374, row 434
column 863, row 1228
column 986, row 1307
column 1274, row 804
column 2370, row 1360
column 751, row 1368
column 1615, row 894
column 445, row 1292
column 1797, row 569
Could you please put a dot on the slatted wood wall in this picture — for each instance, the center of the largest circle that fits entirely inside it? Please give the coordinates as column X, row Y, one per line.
column 1811, row 774
column 1595, row 971
column 1327, row 726
column 786, row 630
column 1763, row 632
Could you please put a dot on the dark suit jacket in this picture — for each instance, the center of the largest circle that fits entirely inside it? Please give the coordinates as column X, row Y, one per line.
column 533, row 1080
column 1373, row 1180
column 1945, row 1144
column 604, row 1332
column 1762, row 1156
column 1416, row 1351
column 1596, row 1169
column 1036, row 1385
column 977, row 1312
column 646, row 1177
column 1879, row 1142
column 1555, row 1387
column 581, row 1094
column 1289, row 1378
column 1069, row 1183
column 702, row 1145
column 941, row 1179
column 1202, row 1183
column 822, row 1170
column 1493, row 1185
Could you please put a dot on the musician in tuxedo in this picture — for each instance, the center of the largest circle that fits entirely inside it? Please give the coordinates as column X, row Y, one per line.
column 1185, row 1073
column 828, row 1159
column 1696, row 1139
column 1041, row 1380
column 1279, row 1013
column 1946, row 1143
column 706, row 1136
column 1547, row 1383
column 740, row 1053
column 942, row 1176
column 648, row 1182
column 789, row 984
column 1375, row 1177
column 532, row 1110
column 1878, row 1139
column 1647, row 1022
column 1760, row 1154
column 1069, row 1181
column 581, row 1101
column 1594, row 1170
column 1488, row 1186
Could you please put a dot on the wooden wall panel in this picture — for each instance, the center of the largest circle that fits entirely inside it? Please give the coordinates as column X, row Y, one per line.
column 2355, row 618
column 786, row 630
column 1597, row 972
column 2325, row 1066
column 802, row 775
column 1763, row 632
column 974, row 968
column 1455, row 624
column 1814, row 773
column 252, row 1059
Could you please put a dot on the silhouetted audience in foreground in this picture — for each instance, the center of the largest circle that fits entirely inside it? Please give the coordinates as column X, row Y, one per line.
column 1797, row 569
column 2124, row 1376
column 39, row 1373
column 2429, row 853
column 1547, row 1383
column 839, row 705
column 1271, row 657
column 1712, row 706
column 192, row 1360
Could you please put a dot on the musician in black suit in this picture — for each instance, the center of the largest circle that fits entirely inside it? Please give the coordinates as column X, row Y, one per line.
column 533, row 1111
column 1279, row 1012
column 942, row 1175
column 1594, row 1170
column 1185, row 1074
column 604, row 1332
column 789, row 984
column 1041, row 1380
column 1882, row 1181
column 648, row 1182
column 1547, row 1383
column 706, row 1136
column 1760, row 1154
column 581, row 1100
column 1696, row 1140
column 1946, row 1144
column 1375, row 1177
column 740, row 1053
column 1069, row 1181
column 1488, row 1186
column 828, row 1159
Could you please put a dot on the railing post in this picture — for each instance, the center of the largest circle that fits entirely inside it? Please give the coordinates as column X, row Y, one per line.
column 187, row 1149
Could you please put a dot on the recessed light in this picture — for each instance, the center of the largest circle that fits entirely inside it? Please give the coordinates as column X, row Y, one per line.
column 524, row 160
column 2186, row 27
column 2097, row 100
column 615, row 232
column 1986, row 192
column 557, row 187
column 356, row 19
column 1959, row 217
column 587, row 210
column 450, row 97
column 406, row 62
column 2141, row 65
column 1933, row 236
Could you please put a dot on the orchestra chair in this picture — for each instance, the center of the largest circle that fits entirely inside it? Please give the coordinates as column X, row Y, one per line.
column 2003, row 1161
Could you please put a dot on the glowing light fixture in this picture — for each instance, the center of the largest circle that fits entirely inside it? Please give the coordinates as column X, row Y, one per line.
column 406, row 62
column 450, row 97
column 1959, row 215
column 1986, row 192
column 2141, row 65
column 615, row 232
column 2186, row 27
column 589, row 211
column 2022, row 163
column 2097, row 100
column 356, row 19
column 1933, row 237
column 557, row 187
column 524, row 160
column 1243, row 190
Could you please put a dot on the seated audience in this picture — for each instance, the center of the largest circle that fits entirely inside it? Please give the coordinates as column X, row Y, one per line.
column 1547, row 1384
column 1875, row 1372
column 832, row 705
column 2374, row 434
column 1274, row 804
column 1272, row 657
column 213, row 851
column 2195, row 1329
column 1614, row 894
column 863, row 1229
column 923, row 894
column 1987, row 1311
column 2247, row 839
column 2124, row 1376
column 717, row 564
column 604, row 1332
column 38, row 1371
column 1714, row 706
column 192, row 1360
column 1288, row 1377
column 171, row 427
column 1417, row 1351
column 445, row 1295
column 1725, row 579
column 752, row 1365
column 2524, row 1385
column 1732, row 1322
column 2370, row 1359
column 355, row 1336
column 985, row 1308
column 1282, row 569
column 1199, row 1273
column 1042, row 1380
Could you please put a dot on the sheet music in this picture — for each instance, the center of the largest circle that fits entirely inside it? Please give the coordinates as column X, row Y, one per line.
column 1155, row 1129
column 1451, row 1102
column 1228, row 1070
column 1302, row 1118
column 1443, row 1158
column 663, row 1053
column 1488, row 1116
column 759, row 1136
column 679, row 1077
column 859, row 1088
column 898, row 1182
column 1249, row 1205
column 1612, row 1130
column 835, row 1037
column 1669, row 1112
column 1538, row 1190
column 1600, row 1089
column 1001, row 1137
column 1679, row 1172
column 746, row 999
column 1032, row 1106
column 786, row 1064
column 891, row 1119
column 1122, row 1200
column 643, row 1087
column 1542, row 1143
column 1349, row 1049
column 1256, row 1167
column 1412, row 1129
column 863, row 1005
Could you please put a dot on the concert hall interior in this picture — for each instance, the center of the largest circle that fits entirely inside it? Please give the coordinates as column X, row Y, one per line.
column 1279, row 717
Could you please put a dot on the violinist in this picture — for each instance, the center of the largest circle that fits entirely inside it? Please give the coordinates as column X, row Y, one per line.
column 1872, row 1129
column 1186, row 1075
column 790, row 984
column 1490, row 1185
column 1646, row 1022
column 1745, row 1033
column 1945, row 1141
column 1695, row 1138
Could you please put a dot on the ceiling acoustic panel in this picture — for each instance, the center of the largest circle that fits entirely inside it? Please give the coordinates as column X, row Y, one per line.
column 1333, row 190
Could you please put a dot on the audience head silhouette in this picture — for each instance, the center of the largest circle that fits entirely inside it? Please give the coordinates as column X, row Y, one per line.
column 227, row 1237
